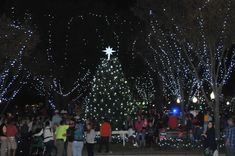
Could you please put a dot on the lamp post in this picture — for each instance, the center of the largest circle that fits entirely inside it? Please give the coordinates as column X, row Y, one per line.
column 178, row 100
column 212, row 96
column 194, row 99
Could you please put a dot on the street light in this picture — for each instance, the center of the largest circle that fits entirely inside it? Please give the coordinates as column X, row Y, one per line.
column 212, row 96
column 194, row 99
column 228, row 103
column 178, row 100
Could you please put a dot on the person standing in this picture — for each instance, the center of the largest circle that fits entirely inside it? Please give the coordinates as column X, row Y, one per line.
column 105, row 135
column 78, row 142
column 189, row 127
column 173, row 121
column 24, row 133
column 150, row 139
column 129, row 126
column 207, row 119
column 60, row 135
column 90, row 139
column 230, row 138
column 70, row 138
column 48, row 138
column 3, row 138
column 56, row 119
column 209, row 140
column 139, row 127
column 11, row 137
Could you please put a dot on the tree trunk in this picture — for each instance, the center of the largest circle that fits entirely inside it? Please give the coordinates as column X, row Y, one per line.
column 217, row 92
column 217, row 116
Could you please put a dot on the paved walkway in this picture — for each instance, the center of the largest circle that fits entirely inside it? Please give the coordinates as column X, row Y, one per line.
column 118, row 150
column 156, row 154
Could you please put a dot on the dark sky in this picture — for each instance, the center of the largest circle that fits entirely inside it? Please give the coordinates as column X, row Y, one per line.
column 64, row 10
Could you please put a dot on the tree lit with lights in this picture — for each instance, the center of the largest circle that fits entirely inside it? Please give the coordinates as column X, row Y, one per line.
column 205, row 43
column 17, row 39
column 110, row 97
column 145, row 87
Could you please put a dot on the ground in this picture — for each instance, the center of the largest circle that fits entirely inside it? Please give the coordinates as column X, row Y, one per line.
column 119, row 150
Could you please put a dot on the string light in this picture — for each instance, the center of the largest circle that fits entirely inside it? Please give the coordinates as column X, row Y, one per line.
column 179, row 61
column 146, row 88
column 13, row 76
column 103, row 28
column 110, row 96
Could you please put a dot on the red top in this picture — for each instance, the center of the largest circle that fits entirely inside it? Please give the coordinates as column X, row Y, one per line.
column 173, row 122
column 139, row 125
column 11, row 130
column 105, row 129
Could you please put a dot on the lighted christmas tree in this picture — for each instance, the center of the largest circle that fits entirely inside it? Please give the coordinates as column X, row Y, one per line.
column 110, row 97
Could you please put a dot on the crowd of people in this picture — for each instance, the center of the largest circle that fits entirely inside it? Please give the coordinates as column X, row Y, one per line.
column 195, row 127
column 60, row 135
column 66, row 135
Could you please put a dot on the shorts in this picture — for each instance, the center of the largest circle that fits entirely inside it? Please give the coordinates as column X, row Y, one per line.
column 12, row 145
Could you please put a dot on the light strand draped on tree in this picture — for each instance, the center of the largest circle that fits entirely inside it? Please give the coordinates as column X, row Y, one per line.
column 204, row 33
column 17, row 39
column 110, row 97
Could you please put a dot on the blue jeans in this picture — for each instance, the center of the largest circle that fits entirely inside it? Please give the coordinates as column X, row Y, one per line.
column 230, row 151
column 140, row 137
column 77, row 148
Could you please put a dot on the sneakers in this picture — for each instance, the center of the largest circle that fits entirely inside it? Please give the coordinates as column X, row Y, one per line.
column 135, row 145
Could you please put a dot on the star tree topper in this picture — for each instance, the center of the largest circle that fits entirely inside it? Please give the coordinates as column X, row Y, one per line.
column 109, row 51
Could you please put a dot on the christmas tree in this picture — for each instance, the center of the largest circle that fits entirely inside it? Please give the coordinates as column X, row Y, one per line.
column 110, row 97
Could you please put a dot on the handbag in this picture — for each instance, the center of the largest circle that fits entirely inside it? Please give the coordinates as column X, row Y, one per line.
column 216, row 153
column 208, row 152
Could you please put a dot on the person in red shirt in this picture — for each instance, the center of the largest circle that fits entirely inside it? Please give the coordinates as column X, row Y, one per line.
column 105, row 134
column 11, row 137
column 173, row 122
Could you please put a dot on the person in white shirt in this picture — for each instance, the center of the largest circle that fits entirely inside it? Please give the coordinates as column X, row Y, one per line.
column 90, row 139
column 48, row 138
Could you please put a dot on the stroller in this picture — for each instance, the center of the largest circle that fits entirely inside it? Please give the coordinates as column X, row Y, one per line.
column 37, row 146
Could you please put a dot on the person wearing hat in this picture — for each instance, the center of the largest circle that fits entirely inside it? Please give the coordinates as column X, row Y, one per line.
column 77, row 117
column 56, row 119
column 64, row 115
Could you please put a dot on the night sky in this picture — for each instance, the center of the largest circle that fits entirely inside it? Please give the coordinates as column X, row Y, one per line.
column 63, row 10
